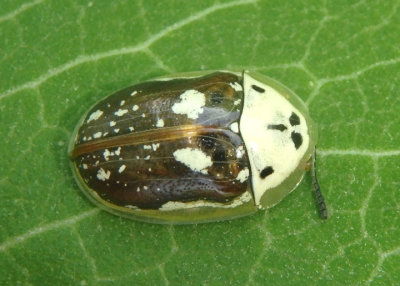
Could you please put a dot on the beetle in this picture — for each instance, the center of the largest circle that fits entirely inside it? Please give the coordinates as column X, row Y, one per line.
column 195, row 147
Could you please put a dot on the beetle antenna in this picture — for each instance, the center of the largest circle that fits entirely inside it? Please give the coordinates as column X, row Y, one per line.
column 323, row 212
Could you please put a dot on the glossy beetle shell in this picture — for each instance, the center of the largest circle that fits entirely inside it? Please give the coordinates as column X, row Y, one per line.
column 193, row 148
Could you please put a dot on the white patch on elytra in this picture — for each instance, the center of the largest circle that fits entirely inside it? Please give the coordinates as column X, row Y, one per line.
column 234, row 127
column 169, row 206
column 147, row 147
column 116, row 130
column 121, row 112
column 237, row 101
column 95, row 115
column 121, row 169
column 160, row 123
column 131, row 128
column 195, row 159
column 85, row 166
column 240, row 151
column 243, row 175
column 135, row 107
column 103, row 175
column 236, row 86
column 106, row 154
column 265, row 106
column 97, row 135
column 134, row 92
column 131, row 207
column 191, row 104
column 112, row 123
column 155, row 146
column 122, row 102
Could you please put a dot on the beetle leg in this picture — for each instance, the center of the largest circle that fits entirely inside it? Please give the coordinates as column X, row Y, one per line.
column 323, row 212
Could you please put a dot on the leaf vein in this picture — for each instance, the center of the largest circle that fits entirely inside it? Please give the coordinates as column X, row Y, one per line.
column 20, row 10
column 127, row 50
column 13, row 241
column 358, row 152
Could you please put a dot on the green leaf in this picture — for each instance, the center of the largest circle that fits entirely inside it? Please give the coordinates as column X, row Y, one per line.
column 342, row 57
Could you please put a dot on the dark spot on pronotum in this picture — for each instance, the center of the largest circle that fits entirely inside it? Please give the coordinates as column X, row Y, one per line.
column 297, row 139
column 294, row 119
column 279, row 127
column 217, row 97
column 266, row 172
column 258, row 89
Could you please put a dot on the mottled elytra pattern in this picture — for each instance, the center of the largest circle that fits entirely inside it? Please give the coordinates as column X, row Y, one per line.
column 149, row 105
column 165, row 141
column 148, row 176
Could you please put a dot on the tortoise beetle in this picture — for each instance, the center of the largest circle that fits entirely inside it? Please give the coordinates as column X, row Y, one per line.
column 197, row 147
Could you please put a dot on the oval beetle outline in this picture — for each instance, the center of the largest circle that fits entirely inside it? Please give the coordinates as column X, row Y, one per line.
column 195, row 147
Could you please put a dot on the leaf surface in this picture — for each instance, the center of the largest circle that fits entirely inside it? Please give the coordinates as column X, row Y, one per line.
column 342, row 57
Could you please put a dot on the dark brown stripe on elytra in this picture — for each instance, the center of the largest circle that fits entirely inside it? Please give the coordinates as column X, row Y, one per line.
column 144, row 137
